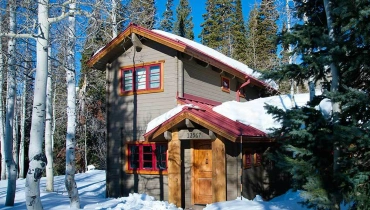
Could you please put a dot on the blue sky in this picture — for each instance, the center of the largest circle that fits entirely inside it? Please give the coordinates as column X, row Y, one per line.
column 198, row 9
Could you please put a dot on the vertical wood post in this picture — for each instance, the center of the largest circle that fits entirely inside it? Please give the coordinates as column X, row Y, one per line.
column 218, row 171
column 174, row 169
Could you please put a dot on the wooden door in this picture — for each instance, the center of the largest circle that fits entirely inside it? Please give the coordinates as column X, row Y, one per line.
column 202, row 172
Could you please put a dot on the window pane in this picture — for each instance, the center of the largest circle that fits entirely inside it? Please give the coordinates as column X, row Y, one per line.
column 147, row 149
column 147, row 157
column 134, row 156
column 155, row 77
column 127, row 76
column 148, row 165
column 161, row 151
column 140, row 79
column 225, row 83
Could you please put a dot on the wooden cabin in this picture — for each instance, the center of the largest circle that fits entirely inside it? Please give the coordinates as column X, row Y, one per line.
column 196, row 156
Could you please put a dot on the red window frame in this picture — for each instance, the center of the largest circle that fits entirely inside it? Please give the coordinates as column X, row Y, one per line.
column 147, row 158
column 225, row 84
column 144, row 78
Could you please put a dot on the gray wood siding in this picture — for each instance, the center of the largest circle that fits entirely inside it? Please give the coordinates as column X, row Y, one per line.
column 206, row 83
column 126, row 112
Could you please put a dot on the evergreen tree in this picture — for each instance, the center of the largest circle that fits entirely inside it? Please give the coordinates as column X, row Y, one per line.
column 142, row 12
column 184, row 21
column 327, row 155
column 219, row 21
column 239, row 33
column 261, row 36
column 167, row 21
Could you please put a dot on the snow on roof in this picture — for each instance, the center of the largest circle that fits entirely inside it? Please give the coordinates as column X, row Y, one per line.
column 254, row 114
column 217, row 55
column 162, row 118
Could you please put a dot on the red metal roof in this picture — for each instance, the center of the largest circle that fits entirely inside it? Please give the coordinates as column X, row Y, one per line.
column 218, row 123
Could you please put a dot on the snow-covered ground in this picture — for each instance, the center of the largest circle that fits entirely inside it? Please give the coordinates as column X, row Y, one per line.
column 91, row 188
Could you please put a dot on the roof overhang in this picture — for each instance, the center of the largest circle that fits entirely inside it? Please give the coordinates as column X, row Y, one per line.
column 123, row 41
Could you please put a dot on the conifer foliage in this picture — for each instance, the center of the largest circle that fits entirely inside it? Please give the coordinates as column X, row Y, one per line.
column 223, row 28
column 261, row 36
column 167, row 21
column 184, row 21
column 327, row 154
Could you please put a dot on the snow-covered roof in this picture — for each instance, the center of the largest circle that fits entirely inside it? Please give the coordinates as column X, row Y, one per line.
column 251, row 113
column 218, row 56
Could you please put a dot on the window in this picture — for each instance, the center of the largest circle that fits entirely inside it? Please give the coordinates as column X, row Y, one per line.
column 247, row 159
column 146, row 158
column 257, row 159
column 225, row 84
column 146, row 78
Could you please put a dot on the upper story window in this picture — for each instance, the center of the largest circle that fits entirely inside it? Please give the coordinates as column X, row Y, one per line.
column 225, row 84
column 147, row 158
column 145, row 78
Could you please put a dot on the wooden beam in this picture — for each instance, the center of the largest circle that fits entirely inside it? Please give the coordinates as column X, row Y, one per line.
column 189, row 124
column 218, row 171
column 194, row 134
column 136, row 42
column 167, row 135
column 211, row 134
column 174, row 169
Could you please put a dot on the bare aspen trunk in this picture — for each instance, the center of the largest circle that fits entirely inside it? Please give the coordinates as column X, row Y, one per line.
column 335, row 105
column 36, row 156
column 114, row 19
column 70, row 182
column 15, row 136
column 48, row 137
column 2, row 137
column 9, row 118
column 23, row 123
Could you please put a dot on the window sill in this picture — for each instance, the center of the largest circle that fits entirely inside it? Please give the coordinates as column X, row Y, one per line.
column 146, row 172
column 130, row 93
column 225, row 90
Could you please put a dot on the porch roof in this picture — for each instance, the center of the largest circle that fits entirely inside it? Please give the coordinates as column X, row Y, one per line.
column 201, row 113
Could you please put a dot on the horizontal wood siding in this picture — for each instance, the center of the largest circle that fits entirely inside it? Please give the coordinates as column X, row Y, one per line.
column 127, row 112
column 206, row 83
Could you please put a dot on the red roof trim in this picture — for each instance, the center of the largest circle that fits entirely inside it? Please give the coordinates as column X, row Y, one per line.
column 215, row 120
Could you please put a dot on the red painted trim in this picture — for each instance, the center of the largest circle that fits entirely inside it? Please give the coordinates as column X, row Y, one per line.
column 141, row 157
column 200, row 99
column 147, row 78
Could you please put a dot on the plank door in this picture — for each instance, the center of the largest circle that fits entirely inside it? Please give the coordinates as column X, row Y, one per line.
column 202, row 172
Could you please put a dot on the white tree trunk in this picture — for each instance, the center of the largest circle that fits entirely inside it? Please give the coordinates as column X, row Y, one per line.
column 2, row 137
column 36, row 156
column 48, row 135
column 23, row 133
column 114, row 19
column 15, row 136
column 70, row 182
column 10, row 98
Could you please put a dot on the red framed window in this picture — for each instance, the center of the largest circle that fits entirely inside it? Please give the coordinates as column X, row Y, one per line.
column 257, row 159
column 225, row 84
column 147, row 157
column 142, row 79
column 247, row 160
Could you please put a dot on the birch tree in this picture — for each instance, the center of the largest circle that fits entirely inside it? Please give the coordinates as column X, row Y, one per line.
column 71, row 112
column 48, row 133
column 2, row 137
column 10, row 99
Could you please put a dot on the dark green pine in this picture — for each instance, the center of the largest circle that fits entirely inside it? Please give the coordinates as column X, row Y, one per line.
column 307, row 138
column 167, row 21
column 184, row 25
